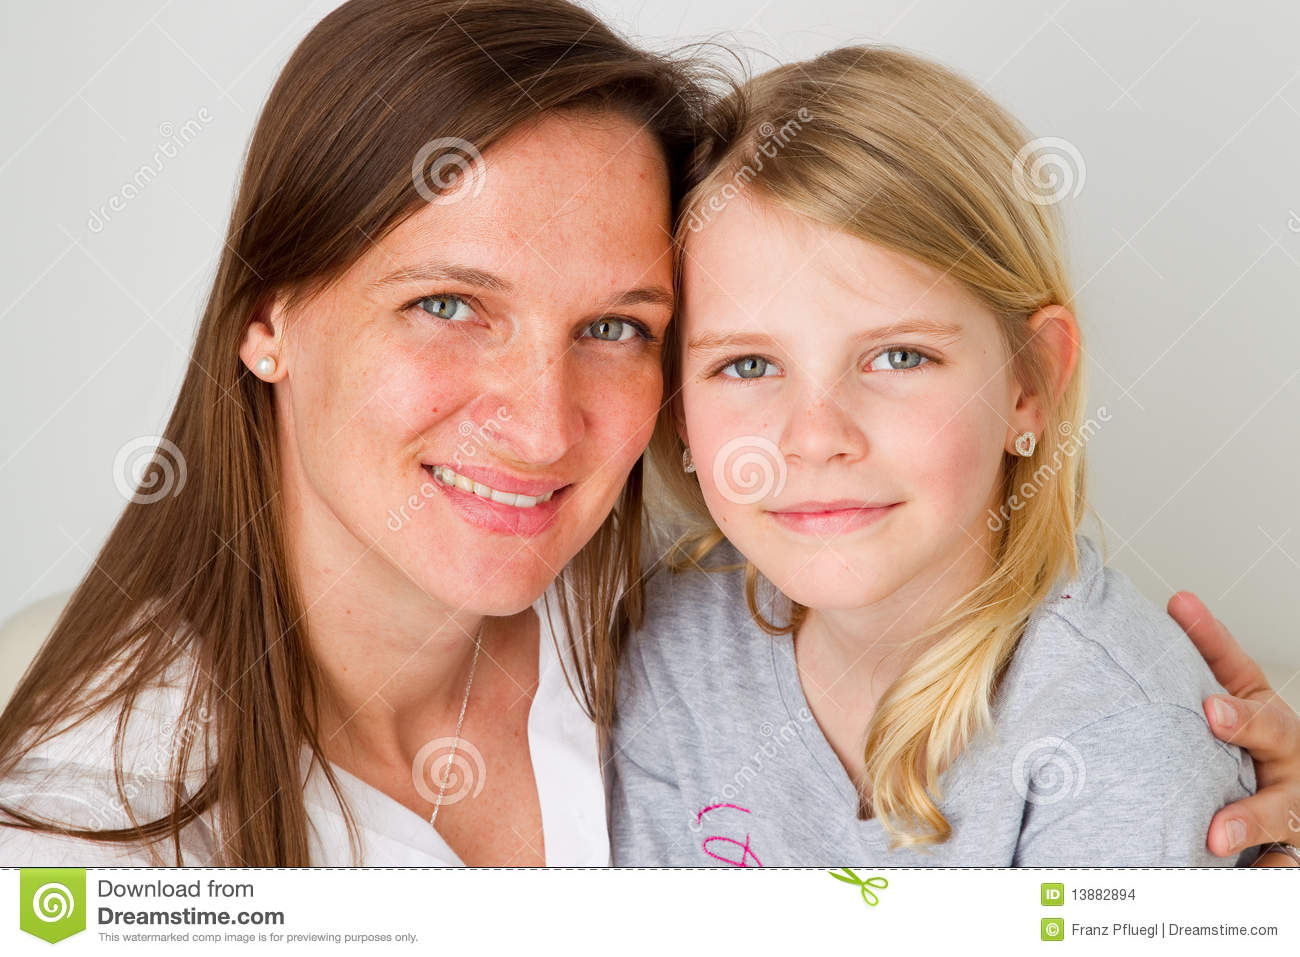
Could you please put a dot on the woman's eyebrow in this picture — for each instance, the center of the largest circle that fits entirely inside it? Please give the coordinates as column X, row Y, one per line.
column 469, row 276
column 443, row 272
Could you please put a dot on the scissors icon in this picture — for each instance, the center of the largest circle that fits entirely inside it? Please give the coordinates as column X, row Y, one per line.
column 868, row 894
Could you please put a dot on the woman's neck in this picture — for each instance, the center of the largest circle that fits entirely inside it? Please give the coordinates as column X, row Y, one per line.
column 395, row 662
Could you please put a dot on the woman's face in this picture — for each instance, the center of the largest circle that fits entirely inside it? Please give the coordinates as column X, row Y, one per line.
column 847, row 407
column 503, row 343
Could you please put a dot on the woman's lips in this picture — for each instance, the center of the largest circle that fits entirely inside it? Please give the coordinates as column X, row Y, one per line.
column 500, row 516
column 830, row 518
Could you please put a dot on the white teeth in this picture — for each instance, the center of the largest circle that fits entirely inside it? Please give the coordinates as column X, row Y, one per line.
column 447, row 477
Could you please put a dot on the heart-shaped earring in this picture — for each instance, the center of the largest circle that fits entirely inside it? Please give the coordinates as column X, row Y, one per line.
column 1025, row 443
column 688, row 464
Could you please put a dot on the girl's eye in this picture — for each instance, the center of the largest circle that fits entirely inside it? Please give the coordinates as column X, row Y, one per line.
column 750, row 367
column 613, row 330
column 451, row 308
column 897, row 360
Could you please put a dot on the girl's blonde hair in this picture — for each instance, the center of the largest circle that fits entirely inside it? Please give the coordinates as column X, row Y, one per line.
column 896, row 150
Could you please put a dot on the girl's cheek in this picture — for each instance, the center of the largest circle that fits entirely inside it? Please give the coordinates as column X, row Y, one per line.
column 961, row 459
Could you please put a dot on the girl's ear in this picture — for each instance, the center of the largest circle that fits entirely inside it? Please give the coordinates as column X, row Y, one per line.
column 1057, row 334
column 1056, row 328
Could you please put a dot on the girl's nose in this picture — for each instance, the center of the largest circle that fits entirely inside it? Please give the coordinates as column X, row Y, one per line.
column 820, row 429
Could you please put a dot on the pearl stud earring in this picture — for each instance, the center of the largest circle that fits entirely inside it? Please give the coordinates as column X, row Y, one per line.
column 265, row 366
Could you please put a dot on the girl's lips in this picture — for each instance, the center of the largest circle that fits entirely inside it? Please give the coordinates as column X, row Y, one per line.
column 832, row 521
column 500, row 518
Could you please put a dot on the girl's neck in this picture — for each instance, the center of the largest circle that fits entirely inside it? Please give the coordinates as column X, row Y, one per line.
column 848, row 658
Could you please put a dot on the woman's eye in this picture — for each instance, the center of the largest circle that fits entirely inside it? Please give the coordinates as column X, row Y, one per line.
column 612, row 330
column 452, row 308
column 897, row 359
column 750, row 367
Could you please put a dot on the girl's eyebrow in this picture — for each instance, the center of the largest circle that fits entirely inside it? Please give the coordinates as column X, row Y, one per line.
column 914, row 326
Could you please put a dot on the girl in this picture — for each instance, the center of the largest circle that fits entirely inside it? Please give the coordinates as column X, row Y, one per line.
column 887, row 642
column 412, row 430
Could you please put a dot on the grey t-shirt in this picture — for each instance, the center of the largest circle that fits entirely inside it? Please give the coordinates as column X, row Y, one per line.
column 1099, row 753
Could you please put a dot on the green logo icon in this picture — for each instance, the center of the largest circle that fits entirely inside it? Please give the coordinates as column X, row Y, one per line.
column 868, row 895
column 1053, row 895
column 52, row 902
column 1053, row 928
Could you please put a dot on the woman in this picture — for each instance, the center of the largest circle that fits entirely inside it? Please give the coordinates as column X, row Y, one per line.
column 348, row 606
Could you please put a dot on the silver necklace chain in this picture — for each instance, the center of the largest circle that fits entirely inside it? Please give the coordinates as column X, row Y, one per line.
column 446, row 774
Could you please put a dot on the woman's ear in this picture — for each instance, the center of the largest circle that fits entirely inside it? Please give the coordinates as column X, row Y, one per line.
column 261, row 350
column 1056, row 335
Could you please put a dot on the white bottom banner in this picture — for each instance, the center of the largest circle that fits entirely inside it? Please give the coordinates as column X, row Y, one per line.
column 767, row 911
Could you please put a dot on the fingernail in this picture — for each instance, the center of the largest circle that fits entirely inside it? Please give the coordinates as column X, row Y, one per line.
column 1236, row 833
column 1225, row 713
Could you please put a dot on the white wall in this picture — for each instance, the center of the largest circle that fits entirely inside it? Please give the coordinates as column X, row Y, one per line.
column 1185, row 244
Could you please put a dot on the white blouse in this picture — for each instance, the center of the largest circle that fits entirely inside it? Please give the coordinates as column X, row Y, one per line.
column 70, row 778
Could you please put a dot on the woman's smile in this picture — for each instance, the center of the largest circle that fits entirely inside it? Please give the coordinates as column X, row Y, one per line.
column 502, row 504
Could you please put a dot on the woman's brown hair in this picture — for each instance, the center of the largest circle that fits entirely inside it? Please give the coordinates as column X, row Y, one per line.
column 205, row 570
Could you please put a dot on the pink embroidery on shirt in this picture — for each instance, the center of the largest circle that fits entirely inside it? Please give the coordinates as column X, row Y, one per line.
column 746, row 853
column 713, row 807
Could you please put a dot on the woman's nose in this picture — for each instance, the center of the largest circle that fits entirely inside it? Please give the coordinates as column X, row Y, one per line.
column 541, row 410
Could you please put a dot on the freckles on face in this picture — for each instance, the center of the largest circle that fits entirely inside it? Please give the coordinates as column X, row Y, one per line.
column 514, row 332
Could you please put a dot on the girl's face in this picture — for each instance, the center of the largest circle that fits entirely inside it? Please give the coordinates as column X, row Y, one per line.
column 847, row 407
column 465, row 403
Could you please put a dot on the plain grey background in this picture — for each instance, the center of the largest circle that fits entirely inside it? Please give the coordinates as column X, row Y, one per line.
column 1184, row 245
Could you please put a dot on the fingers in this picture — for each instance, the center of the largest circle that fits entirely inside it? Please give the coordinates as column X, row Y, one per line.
column 1232, row 667
column 1259, row 819
column 1267, row 728
column 1274, row 859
